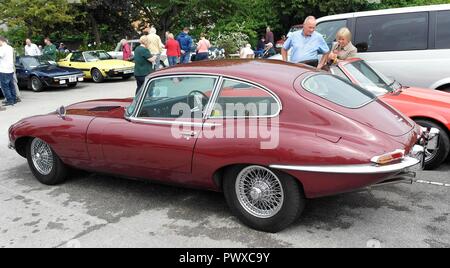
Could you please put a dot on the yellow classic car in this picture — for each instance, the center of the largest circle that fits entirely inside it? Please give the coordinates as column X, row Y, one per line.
column 98, row 65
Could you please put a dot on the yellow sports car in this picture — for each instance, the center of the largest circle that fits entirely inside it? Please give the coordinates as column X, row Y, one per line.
column 98, row 65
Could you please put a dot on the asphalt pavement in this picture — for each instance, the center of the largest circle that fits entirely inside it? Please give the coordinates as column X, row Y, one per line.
column 94, row 210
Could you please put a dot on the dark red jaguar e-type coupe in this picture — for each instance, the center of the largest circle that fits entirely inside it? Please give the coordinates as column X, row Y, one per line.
column 268, row 134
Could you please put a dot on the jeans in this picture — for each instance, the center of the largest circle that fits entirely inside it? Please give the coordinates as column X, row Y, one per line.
column 8, row 87
column 157, row 61
column 139, row 81
column 185, row 58
column 173, row 60
column 201, row 56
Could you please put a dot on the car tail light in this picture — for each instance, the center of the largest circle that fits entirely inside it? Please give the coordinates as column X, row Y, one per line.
column 387, row 158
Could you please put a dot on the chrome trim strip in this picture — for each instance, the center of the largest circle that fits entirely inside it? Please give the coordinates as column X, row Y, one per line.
column 353, row 169
column 168, row 122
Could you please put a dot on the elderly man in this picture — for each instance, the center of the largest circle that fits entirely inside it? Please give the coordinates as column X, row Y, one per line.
column 155, row 45
column 7, row 72
column 306, row 45
column 31, row 49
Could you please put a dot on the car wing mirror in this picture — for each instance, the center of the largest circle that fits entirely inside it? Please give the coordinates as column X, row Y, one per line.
column 61, row 111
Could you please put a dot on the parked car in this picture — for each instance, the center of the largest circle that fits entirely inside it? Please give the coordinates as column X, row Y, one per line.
column 411, row 44
column 428, row 108
column 98, row 65
column 118, row 53
column 188, row 126
column 37, row 73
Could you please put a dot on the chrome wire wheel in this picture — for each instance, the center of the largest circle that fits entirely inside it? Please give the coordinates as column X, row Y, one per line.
column 430, row 154
column 259, row 191
column 42, row 156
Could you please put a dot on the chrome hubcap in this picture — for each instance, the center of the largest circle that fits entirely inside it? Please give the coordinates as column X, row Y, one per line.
column 42, row 156
column 35, row 84
column 259, row 191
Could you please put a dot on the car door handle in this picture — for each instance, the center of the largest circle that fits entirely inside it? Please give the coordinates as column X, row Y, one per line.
column 188, row 133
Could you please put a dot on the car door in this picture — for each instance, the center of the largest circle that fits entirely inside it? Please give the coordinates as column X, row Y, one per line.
column 77, row 61
column 159, row 136
column 22, row 74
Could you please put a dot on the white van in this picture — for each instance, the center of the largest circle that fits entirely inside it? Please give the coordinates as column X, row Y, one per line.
column 411, row 44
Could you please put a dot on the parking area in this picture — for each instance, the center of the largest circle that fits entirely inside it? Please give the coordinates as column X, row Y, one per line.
column 95, row 210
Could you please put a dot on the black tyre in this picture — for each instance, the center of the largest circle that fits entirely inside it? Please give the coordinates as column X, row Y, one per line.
column 434, row 158
column 36, row 84
column 44, row 163
column 263, row 199
column 446, row 89
column 72, row 85
column 97, row 76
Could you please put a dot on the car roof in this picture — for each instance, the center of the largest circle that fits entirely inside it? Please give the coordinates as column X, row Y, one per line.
column 386, row 12
column 264, row 72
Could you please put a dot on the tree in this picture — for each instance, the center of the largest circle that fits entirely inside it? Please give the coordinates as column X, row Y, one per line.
column 37, row 16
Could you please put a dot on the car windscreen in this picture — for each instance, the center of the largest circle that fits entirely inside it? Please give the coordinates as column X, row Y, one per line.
column 96, row 56
column 338, row 91
column 33, row 62
column 370, row 79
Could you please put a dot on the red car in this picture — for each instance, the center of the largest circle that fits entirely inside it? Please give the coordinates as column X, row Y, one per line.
column 268, row 134
column 428, row 108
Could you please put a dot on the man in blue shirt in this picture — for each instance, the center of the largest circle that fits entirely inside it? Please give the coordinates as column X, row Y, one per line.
column 185, row 44
column 306, row 45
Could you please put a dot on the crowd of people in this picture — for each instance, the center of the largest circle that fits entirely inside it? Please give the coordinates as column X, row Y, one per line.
column 147, row 55
column 305, row 47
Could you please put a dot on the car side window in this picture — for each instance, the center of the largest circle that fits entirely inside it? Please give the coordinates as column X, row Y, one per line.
column 77, row 57
column 177, row 96
column 338, row 91
column 443, row 30
column 240, row 99
column 328, row 30
column 396, row 32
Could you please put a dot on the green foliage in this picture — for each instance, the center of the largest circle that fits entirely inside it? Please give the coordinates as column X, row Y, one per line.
column 36, row 16
column 231, row 41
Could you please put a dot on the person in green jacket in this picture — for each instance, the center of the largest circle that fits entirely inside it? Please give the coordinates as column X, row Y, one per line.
column 49, row 50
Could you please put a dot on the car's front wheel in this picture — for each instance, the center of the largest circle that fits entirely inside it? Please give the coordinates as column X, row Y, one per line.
column 263, row 199
column 97, row 76
column 434, row 158
column 44, row 163
column 36, row 84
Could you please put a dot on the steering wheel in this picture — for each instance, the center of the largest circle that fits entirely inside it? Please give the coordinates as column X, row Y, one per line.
column 197, row 101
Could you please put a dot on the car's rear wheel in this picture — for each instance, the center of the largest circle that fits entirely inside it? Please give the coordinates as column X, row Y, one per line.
column 36, row 84
column 71, row 85
column 97, row 76
column 263, row 199
column 434, row 158
column 44, row 163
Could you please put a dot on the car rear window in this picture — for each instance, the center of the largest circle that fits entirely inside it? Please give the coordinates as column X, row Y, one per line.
column 338, row 91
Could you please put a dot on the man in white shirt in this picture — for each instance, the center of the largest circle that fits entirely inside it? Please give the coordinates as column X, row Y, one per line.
column 31, row 49
column 7, row 72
